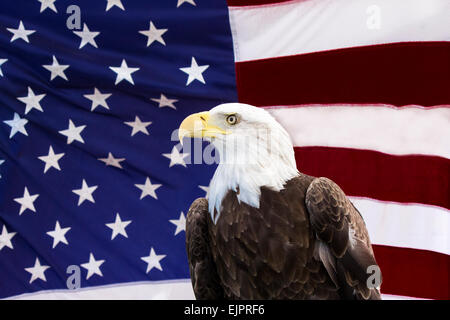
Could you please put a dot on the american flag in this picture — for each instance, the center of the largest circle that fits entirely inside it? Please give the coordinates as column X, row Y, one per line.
column 91, row 92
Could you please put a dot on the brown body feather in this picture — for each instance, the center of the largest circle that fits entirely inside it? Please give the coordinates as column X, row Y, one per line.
column 273, row 252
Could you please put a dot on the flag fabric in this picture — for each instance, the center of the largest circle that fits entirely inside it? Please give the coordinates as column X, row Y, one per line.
column 363, row 89
column 90, row 177
column 94, row 181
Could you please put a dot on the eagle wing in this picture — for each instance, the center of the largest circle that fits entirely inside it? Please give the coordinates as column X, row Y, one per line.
column 343, row 242
column 204, row 277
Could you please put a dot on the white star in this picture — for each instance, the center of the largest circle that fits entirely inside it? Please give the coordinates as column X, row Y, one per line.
column 148, row 189
column 48, row 4
column 176, row 157
column 17, row 125
column 165, row 102
column 154, row 34
column 27, row 201
column 111, row 161
column 98, row 99
column 85, row 193
column 37, row 272
column 2, row 61
column 93, row 266
column 73, row 133
column 20, row 33
column 58, row 234
column 180, row 223
column 56, row 69
column 32, row 101
column 5, row 238
column 138, row 126
column 112, row 3
column 124, row 72
column 118, row 227
column 51, row 160
column 152, row 260
column 180, row 2
column 206, row 189
column 195, row 72
column 87, row 36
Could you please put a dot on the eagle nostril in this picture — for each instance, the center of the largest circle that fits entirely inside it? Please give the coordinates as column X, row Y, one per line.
column 203, row 118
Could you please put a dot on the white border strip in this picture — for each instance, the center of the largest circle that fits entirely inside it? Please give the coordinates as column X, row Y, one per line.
column 397, row 131
column 395, row 297
column 298, row 27
column 148, row 290
column 176, row 290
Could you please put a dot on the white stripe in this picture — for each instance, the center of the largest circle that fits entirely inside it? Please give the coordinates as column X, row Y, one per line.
column 414, row 226
column 316, row 25
column 399, row 131
column 154, row 290
column 176, row 290
column 395, row 297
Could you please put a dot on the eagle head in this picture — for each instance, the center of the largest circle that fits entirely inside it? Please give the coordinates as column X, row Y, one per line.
column 254, row 151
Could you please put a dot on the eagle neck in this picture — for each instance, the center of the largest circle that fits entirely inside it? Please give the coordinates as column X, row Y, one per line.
column 246, row 179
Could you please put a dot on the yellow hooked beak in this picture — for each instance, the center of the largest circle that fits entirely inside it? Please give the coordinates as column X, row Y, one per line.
column 198, row 125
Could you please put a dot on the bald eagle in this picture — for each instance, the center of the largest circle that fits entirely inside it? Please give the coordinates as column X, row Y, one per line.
column 266, row 230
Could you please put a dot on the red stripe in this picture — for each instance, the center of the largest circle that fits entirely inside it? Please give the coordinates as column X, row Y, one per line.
column 243, row 3
column 366, row 173
column 397, row 74
column 413, row 273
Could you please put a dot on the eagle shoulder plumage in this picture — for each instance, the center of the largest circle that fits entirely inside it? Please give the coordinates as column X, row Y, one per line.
column 303, row 239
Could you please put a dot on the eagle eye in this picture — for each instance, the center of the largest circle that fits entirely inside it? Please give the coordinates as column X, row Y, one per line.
column 232, row 119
